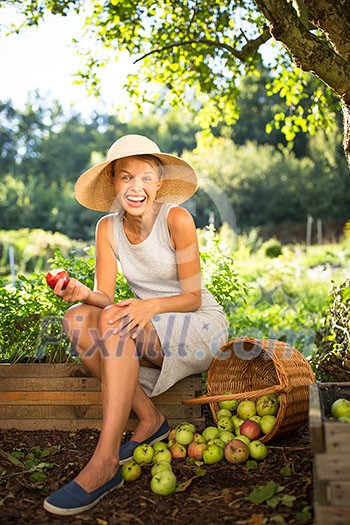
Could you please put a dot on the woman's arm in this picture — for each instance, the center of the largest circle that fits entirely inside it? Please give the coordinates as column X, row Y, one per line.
column 105, row 271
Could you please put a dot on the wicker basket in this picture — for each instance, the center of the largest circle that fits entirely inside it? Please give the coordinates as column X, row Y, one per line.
column 249, row 368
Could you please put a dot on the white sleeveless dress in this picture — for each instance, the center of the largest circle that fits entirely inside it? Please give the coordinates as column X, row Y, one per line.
column 189, row 340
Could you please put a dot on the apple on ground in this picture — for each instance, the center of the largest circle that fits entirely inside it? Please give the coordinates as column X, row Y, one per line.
column 163, row 483
column 257, row 450
column 213, row 454
column 216, row 441
column 160, row 445
column 143, row 453
column 195, row 450
column 340, row 408
column 162, row 455
column 267, row 423
column 251, row 429
column 267, row 405
column 53, row 276
column 236, row 451
column 188, row 426
column 184, row 436
column 198, row 438
column 131, row 471
column 226, row 436
column 159, row 467
column 246, row 409
column 210, row 433
column 178, row 451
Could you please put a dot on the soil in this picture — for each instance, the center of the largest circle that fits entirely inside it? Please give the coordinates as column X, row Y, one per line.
column 217, row 497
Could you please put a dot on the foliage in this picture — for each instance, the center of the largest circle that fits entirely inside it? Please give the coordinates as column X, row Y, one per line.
column 30, row 325
column 331, row 358
column 272, row 248
column 219, row 273
column 205, row 50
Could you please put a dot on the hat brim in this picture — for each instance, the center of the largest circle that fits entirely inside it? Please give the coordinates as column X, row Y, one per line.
column 95, row 190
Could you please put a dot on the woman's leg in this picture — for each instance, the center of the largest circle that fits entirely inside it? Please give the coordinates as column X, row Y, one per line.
column 91, row 335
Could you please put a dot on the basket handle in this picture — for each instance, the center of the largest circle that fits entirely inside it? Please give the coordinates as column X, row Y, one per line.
column 207, row 398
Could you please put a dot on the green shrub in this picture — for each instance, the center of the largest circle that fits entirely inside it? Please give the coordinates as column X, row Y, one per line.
column 331, row 359
column 272, row 248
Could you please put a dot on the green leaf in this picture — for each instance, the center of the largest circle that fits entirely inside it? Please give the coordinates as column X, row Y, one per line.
column 263, row 493
column 38, row 476
column 274, row 501
column 286, row 471
column 288, row 500
column 251, row 464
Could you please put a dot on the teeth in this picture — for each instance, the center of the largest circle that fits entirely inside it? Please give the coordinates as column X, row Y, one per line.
column 135, row 199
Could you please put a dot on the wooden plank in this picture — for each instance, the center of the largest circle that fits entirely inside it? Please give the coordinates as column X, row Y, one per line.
column 72, row 425
column 331, row 515
column 45, row 384
column 315, row 420
column 339, row 492
column 50, row 398
column 43, row 370
column 84, row 411
column 337, row 437
column 332, row 466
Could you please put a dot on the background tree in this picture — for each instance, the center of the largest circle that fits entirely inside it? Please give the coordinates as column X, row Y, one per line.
column 208, row 47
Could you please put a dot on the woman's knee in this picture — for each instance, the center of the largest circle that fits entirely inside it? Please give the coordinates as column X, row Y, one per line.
column 79, row 316
column 104, row 325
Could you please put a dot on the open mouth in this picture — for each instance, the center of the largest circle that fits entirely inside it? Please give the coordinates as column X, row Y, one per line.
column 135, row 199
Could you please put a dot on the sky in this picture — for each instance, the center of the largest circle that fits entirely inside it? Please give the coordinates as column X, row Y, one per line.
column 43, row 58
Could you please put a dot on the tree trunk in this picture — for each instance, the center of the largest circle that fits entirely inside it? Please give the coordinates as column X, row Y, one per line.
column 311, row 53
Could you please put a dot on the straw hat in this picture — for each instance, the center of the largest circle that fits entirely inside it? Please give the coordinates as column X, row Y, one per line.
column 95, row 190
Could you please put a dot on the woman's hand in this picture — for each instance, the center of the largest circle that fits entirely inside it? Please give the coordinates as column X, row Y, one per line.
column 132, row 315
column 74, row 291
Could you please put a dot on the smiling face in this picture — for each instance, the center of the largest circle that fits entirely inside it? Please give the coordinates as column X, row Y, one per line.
column 136, row 180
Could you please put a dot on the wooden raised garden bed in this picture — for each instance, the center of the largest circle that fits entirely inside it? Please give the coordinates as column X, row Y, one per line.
column 65, row 397
column 330, row 442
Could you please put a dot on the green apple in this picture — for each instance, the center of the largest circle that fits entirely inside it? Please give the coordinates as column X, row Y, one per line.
column 225, row 436
column 131, row 471
column 198, row 438
column 159, row 467
column 162, row 455
column 256, row 418
column 188, row 426
column 210, row 433
column 340, row 408
column 244, row 439
column 163, row 483
column 160, row 445
column 143, row 453
column 184, row 436
column 216, row 441
column 213, row 454
column 257, row 450
column 223, row 412
column 230, row 404
column 237, row 421
column 267, row 405
column 267, row 423
column 246, row 409
column 225, row 423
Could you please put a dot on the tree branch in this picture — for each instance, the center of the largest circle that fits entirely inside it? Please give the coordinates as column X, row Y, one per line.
column 307, row 50
column 243, row 54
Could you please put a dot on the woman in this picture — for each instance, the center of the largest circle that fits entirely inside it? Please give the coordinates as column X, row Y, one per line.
column 170, row 329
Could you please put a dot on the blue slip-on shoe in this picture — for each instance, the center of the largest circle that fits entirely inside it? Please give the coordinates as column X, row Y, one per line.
column 127, row 449
column 73, row 499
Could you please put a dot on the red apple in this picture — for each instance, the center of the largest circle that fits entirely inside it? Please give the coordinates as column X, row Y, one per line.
column 251, row 429
column 178, row 451
column 236, row 451
column 54, row 276
column 195, row 450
